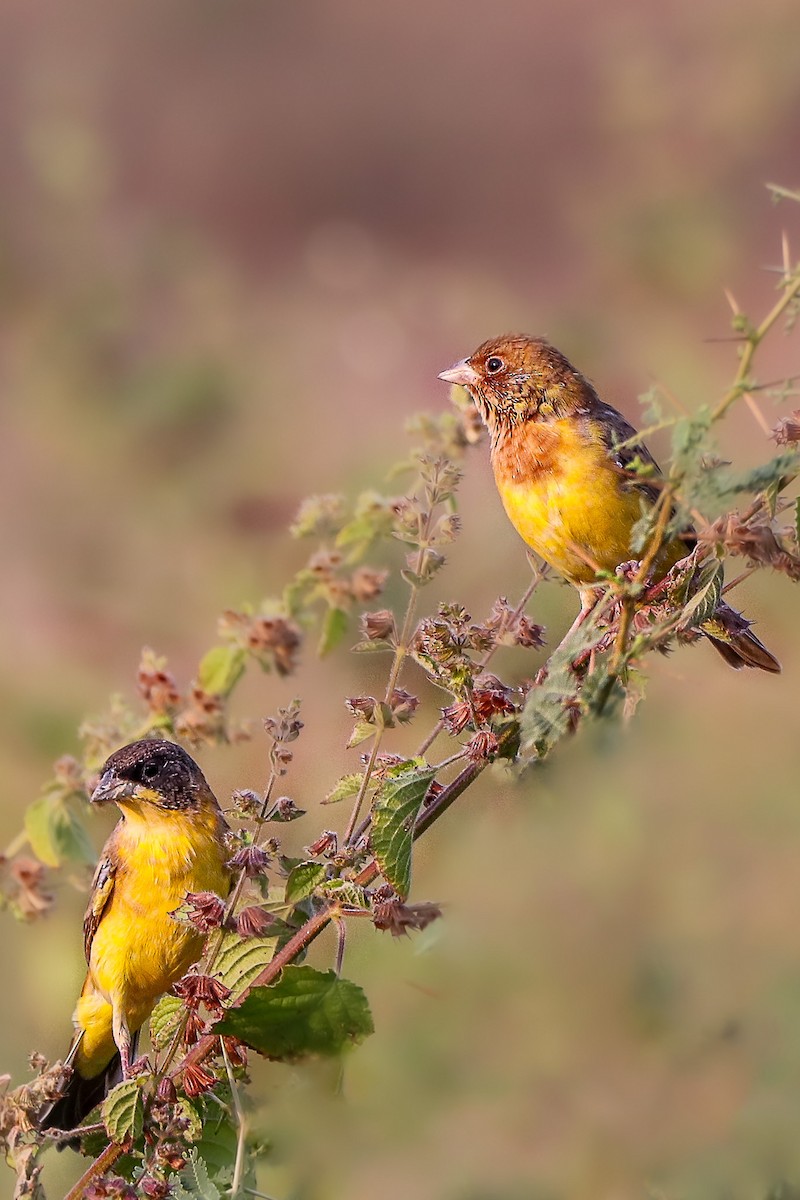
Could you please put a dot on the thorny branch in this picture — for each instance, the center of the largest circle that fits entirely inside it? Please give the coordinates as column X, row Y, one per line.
column 632, row 618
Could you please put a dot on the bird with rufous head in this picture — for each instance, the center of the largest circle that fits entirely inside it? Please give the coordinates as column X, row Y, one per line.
column 568, row 468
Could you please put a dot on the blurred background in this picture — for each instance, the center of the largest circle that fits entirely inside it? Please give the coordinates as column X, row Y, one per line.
column 237, row 242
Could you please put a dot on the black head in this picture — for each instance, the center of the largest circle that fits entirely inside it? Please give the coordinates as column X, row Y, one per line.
column 152, row 772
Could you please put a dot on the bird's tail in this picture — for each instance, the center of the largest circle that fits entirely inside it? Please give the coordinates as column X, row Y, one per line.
column 80, row 1095
column 730, row 634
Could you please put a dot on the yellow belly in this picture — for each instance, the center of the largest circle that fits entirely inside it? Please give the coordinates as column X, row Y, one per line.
column 139, row 951
column 578, row 516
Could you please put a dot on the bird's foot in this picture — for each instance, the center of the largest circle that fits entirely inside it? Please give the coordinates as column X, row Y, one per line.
column 140, row 1066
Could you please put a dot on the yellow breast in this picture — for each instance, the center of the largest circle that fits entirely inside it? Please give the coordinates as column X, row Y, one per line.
column 139, row 950
column 566, row 499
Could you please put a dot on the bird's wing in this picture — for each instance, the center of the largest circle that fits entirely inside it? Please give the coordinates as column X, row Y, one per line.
column 626, row 451
column 627, row 454
column 102, row 887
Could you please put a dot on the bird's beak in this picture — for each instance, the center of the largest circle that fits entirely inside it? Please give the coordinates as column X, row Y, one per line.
column 111, row 787
column 460, row 373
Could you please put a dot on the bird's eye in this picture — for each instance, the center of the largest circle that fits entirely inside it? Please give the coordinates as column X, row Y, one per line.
column 494, row 364
column 149, row 770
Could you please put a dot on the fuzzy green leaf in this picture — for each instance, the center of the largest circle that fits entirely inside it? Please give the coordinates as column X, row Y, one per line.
column 194, row 1182
column 394, row 812
column 334, row 627
column 305, row 1012
column 706, row 594
column 56, row 833
column 123, row 1112
column 346, row 893
column 545, row 717
column 164, row 1020
column 346, row 787
column 212, row 1130
column 774, row 473
column 302, row 880
column 240, row 960
column 221, row 669
column 373, row 648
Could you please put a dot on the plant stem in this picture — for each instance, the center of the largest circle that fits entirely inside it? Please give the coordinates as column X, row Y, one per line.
column 538, row 577
column 400, row 651
column 241, row 1126
column 790, row 292
column 101, row 1164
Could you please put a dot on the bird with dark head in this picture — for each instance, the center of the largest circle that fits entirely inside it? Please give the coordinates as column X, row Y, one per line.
column 170, row 840
column 565, row 464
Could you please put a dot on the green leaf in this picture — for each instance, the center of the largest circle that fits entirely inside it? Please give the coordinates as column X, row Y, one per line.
column 305, row 1012
column 296, row 593
column 347, row 893
column 217, row 1147
column 706, row 593
column 373, row 648
column 346, row 787
column 334, row 627
column 122, row 1111
column 193, row 1181
column 240, row 960
column 164, row 1021
column 56, row 833
column 394, row 812
column 770, row 474
column 189, row 1112
column 361, row 731
column 545, row 717
column 221, row 669
column 302, row 880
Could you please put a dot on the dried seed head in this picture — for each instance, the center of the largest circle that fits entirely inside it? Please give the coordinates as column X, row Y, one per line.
column 194, row 1029
column 247, row 803
column 206, row 910
column 367, row 583
column 156, row 685
column 253, row 860
column 196, row 989
column 403, row 705
column 196, row 1080
column 235, row 1050
column 399, row 918
column 482, row 746
column 287, row 725
column 319, row 516
column 29, row 896
column 754, row 540
column 457, row 716
column 787, row 431
column 154, row 1189
column 109, row 1187
column 170, row 1154
column 326, row 843
column 167, row 1092
column 277, row 637
column 286, row 810
column 253, row 921
column 379, row 626
column 362, row 707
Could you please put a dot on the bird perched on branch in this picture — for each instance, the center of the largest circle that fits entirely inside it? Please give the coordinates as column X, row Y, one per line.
column 565, row 464
column 170, row 841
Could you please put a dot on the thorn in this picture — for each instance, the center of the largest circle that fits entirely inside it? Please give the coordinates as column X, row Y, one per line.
column 757, row 413
column 729, row 296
